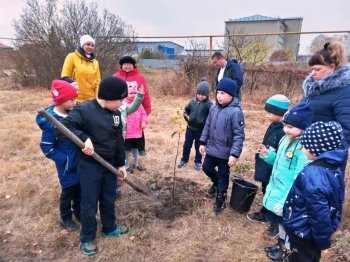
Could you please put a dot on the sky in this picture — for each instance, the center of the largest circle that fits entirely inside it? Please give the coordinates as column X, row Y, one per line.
column 184, row 17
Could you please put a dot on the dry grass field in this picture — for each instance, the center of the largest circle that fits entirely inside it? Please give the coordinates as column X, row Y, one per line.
column 29, row 192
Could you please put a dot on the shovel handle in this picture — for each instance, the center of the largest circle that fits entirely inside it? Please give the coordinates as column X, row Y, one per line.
column 71, row 136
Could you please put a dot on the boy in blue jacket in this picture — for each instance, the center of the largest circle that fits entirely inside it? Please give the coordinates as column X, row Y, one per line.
column 222, row 140
column 314, row 205
column 196, row 113
column 63, row 152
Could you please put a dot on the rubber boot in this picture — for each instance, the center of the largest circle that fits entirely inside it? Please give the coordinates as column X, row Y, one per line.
column 220, row 202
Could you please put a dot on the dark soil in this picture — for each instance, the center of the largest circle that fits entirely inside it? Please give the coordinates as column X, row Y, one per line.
column 188, row 197
column 135, row 208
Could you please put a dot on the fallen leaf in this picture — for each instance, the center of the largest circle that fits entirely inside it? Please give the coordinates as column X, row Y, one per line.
column 7, row 196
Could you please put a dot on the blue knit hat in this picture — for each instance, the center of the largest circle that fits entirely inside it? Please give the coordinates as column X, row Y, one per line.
column 228, row 86
column 277, row 105
column 299, row 116
column 321, row 137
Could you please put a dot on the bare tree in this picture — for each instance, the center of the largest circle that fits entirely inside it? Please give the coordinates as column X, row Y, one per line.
column 249, row 51
column 253, row 50
column 48, row 34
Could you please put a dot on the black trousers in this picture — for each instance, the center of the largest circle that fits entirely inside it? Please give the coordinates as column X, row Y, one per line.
column 70, row 200
column 303, row 253
column 98, row 185
column 141, row 146
column 190, row 136
column 220, row 177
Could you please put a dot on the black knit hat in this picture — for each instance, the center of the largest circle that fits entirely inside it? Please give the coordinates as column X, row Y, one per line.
column 112, row 88
column 203, row 87
column 321, row 137
column 299, row 116
column 127, row 60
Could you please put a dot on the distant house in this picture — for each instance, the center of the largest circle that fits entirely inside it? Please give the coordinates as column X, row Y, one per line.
column 168, row 48
column 264, row 24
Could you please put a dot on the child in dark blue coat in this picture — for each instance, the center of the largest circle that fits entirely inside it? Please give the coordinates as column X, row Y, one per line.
column 222, row 140
column 314, row 205
column 196, row 113
column 275, row 107
column 63, row 152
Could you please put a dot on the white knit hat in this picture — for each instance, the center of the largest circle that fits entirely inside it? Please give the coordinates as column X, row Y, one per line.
column 86, row 39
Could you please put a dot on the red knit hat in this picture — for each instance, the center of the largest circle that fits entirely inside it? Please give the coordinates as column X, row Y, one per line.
column 62, row 91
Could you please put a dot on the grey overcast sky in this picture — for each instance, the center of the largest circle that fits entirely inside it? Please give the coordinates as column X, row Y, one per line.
column 184, row 17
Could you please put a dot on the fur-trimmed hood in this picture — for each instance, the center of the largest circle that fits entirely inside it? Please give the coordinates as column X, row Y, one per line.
column 338, row 79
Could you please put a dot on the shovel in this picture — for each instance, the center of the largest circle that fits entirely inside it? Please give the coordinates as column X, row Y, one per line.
column 136, row 184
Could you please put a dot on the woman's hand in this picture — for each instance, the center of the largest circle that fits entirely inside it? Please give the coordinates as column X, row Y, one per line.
column 262, row 150
column 202, row 150
column 89, row 147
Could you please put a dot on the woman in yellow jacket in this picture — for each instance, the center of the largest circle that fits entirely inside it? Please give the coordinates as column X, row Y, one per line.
column 82, row 66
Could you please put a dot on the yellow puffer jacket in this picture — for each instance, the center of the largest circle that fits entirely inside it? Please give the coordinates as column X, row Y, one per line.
column 85, row 72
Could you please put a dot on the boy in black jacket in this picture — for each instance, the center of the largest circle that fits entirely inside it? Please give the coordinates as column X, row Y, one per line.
column 276, row 106
column 196, row 113
column 98, row 123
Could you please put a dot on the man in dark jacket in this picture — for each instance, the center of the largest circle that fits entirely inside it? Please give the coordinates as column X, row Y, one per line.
column 98, row 123
column 228, row 69
column 314, row 205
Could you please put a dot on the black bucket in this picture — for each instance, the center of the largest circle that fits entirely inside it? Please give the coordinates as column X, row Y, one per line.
column 243, row 194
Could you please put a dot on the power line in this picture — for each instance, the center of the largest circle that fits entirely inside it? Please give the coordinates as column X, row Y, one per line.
column 206, row 36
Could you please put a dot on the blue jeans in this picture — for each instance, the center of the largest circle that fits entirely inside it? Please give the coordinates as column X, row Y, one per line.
column 220, row 178
column 191, row 135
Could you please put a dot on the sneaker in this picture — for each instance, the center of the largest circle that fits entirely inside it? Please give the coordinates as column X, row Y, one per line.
column 272, row 231
column 120, row 231
column 69, row 224
column 220, row 203
column 212, row 191
column 256, row 217
column 142, row 152
column 279, row 254
column 140, row 168
column 88, row 248
column 198, row 166
column 129, row 170
column 273, row 248
column 118, row 193
column 181, row 164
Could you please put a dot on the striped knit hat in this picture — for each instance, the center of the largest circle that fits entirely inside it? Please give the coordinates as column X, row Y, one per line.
column 277, row 105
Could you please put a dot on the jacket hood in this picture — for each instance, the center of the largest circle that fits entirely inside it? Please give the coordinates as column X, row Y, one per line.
column 338, row 79
column 42, row 121
column 80, row 51
column 334, row 157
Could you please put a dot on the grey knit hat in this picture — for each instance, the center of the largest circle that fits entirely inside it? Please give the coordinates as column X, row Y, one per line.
column 203, row 87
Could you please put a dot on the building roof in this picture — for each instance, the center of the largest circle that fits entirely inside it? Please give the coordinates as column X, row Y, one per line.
column 261, row 18
column 2, row 46
column 157, row 42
